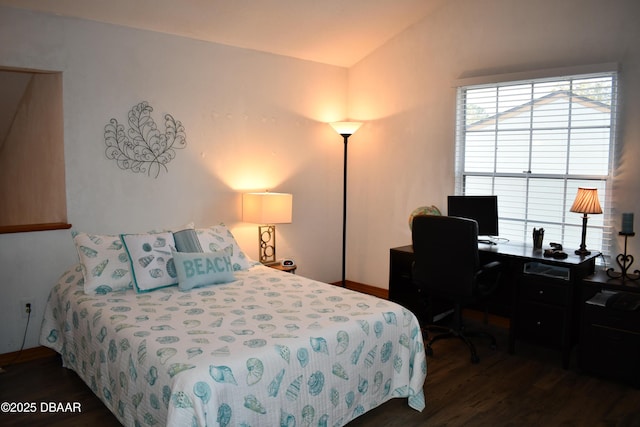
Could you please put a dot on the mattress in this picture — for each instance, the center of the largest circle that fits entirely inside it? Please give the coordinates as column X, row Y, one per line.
column 270, row 348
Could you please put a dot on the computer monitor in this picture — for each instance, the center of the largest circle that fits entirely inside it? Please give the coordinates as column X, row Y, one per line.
column 484, row 209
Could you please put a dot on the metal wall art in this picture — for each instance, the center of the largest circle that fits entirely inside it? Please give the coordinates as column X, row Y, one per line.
column 143, row 149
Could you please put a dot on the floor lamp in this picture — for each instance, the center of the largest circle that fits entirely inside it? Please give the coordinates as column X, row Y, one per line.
column 346, row 129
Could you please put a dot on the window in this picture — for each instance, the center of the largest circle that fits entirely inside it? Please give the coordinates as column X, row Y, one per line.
column 533, row 143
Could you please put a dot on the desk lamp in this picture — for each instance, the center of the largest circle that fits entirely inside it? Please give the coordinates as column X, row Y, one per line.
column 268, row 209
column 586, row 202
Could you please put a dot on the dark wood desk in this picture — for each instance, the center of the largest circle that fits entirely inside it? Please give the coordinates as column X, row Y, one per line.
column 538, row 294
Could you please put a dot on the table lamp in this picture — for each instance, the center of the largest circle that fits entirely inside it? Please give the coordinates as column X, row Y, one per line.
column 586, row 202
column 267, row 209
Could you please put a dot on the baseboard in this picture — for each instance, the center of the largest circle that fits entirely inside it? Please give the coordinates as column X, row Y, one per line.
column 365, row 289
column 26, row 355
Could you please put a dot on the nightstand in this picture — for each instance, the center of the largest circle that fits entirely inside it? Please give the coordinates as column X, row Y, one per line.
column 287, row 269
column 610, row 336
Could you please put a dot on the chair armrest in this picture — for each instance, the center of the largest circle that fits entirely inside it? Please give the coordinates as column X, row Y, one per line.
column 488, row 277
column 491, row 267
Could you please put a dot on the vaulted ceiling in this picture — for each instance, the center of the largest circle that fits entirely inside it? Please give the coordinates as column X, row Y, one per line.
column 337, row 32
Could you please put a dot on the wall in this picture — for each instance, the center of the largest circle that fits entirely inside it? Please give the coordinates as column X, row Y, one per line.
column 253, row 121
column 405, row 91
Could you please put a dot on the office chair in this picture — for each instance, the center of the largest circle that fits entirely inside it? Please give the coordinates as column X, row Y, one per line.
column 447, row 267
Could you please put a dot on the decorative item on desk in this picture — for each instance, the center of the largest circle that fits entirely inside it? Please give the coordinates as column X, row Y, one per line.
column 586, row 202
column 625, row 260
column 555, row 252
column 538, row 237
column 269, row 209
column 627, row 223
column 346, row 129
column 423, row 210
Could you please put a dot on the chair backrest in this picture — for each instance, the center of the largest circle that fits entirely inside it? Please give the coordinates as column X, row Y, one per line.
column 445, row 254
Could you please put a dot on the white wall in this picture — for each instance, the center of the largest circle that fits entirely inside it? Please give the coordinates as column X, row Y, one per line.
column 404, row 156
column 253, row 121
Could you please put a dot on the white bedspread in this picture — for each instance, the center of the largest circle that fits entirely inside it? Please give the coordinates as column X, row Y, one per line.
column 269, row 349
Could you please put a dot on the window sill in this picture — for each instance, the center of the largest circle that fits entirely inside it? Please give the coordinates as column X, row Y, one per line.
column 24, row 228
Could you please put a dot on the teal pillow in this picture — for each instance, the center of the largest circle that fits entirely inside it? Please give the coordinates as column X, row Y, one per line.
column 202, row 268
column 187, row 241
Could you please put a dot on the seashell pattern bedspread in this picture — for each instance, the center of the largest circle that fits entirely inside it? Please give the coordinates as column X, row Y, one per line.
column 271, row 348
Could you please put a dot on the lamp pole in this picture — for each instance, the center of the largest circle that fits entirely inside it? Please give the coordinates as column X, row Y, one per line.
column 345, row 129
column 344, row 210
column 583, row 245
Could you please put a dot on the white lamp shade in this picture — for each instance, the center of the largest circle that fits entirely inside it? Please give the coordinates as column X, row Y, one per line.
column 267, row 208
column 346, row 128
column 586, row 201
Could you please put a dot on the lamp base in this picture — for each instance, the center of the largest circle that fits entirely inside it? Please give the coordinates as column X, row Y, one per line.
column 582, row 252
column 267, row 242
column 583, row 245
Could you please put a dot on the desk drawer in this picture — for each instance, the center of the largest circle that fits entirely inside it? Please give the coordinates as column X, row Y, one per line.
column 541, row 323
column 547, row 291
column 611, row 318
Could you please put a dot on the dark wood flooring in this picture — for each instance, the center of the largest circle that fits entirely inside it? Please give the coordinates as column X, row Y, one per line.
column 529, row 388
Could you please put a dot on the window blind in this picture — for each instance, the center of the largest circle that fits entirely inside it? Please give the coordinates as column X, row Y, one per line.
column 533, row 143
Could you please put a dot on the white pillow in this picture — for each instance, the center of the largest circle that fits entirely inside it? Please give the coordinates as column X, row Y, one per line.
column 105, row 263
column 219, row 238
column 151, row 261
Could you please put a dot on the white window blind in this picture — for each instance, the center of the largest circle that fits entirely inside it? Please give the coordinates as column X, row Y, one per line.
column 533, row 143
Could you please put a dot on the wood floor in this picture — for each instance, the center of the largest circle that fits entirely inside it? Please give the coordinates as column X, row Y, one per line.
column 529, row 388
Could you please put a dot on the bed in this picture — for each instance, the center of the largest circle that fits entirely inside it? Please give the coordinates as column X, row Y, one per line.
column 267, row 348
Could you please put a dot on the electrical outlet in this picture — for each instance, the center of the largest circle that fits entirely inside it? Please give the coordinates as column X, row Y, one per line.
column 26, row 306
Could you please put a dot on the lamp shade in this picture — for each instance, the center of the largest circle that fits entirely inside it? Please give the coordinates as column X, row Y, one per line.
column 267, row 208
column 586, row 201
column 346, row 128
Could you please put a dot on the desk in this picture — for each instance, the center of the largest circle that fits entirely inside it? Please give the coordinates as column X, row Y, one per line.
column 537, row 294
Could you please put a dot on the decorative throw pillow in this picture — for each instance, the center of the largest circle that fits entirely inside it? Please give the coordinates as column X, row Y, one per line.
column 219, row 238
column 202, row 268
column 187, row 241
column 105, row 263
column 151, row 261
